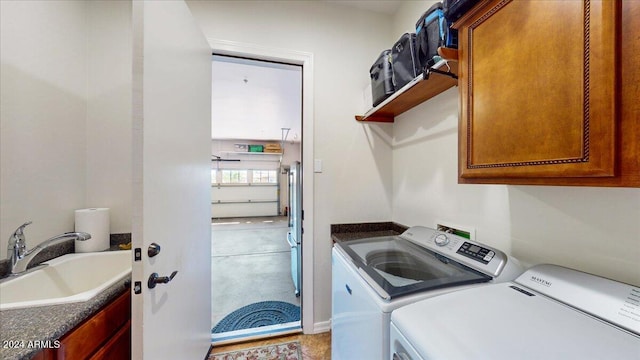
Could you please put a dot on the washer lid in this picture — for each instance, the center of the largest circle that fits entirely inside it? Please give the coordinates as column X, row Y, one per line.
column 509, row 321
column 400, row 267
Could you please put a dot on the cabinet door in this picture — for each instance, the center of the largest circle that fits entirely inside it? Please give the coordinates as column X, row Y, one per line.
column 108, row 332
column 118, row 347
column 538, row 90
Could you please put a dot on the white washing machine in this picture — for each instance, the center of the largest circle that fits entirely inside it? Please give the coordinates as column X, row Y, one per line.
column 374, row 276
column 549, row 312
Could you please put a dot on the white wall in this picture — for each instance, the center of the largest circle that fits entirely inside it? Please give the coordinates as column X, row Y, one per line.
column 591, row 229
column 43, row 105
column 65, row 117
column 355, row 184
column 108, row 122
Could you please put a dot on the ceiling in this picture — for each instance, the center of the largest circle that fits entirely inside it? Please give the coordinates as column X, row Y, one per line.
column 383, row 7
column 254, row 100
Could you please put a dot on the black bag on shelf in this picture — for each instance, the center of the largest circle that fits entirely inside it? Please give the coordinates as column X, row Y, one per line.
column 381, row 73
column 454, row 9
column 404, row 60
column 432, row 32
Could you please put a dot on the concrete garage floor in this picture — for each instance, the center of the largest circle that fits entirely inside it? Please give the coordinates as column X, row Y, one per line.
column 251, row 262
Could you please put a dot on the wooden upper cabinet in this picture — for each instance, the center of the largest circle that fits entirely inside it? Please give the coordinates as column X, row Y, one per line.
column 540, row 86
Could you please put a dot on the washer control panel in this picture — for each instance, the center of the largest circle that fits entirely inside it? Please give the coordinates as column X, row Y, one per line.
column 476, row 252
column 475, row 255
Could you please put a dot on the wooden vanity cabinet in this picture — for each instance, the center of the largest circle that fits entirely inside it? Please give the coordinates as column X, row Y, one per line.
column 105, row 335
column 549, row 93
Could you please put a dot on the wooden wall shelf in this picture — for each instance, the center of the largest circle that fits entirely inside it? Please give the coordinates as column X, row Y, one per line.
column 414, row 93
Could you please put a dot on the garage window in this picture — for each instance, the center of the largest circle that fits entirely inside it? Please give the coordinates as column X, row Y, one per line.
column 265, row 176
column 234, row 176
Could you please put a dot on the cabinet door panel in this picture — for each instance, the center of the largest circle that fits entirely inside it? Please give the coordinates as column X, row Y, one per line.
column 538, row 81
column 83, row 341
column 118, row 347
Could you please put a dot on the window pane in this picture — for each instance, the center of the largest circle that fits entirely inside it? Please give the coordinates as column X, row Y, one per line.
column 265, row 176
column 234, row 176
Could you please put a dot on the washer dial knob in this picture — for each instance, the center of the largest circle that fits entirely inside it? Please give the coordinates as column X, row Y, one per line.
column 441, row 239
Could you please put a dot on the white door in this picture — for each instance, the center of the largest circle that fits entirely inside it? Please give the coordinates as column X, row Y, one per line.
column 172, row 182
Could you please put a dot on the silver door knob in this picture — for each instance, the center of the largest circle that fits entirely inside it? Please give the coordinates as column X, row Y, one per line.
column 153, row 250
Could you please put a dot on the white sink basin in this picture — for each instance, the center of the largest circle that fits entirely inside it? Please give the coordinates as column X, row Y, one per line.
column 67, row 279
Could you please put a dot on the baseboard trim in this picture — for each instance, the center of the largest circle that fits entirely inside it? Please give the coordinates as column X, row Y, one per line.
column 321, row 327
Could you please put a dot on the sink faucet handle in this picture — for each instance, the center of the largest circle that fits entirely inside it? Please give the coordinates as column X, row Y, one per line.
column 20, row 229
column 18, row 235
column 17, row 242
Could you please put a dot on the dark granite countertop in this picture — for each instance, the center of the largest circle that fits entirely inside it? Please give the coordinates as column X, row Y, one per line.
column 21, row 329
column 355, row 231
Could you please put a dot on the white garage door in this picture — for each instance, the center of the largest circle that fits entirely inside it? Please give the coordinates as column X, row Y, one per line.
column 244, row 192
column 244, row 200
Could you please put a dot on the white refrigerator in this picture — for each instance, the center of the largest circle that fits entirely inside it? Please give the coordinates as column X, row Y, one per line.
column 294, row 237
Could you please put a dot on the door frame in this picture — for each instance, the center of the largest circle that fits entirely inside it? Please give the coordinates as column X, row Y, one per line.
column 233, row 48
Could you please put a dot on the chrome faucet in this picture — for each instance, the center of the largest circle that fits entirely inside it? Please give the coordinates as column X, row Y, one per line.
column 21, row 257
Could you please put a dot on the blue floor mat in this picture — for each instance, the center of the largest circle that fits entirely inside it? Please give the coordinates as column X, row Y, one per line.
column 263, row 313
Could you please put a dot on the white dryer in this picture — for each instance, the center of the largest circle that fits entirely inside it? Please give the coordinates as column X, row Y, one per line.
column 549, row 312
column 374, row 276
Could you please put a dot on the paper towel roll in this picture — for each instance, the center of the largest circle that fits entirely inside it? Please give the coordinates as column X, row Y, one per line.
column 94, row 221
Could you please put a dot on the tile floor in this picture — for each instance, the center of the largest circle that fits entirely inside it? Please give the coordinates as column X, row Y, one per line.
column 314, row 347
column 251, row 262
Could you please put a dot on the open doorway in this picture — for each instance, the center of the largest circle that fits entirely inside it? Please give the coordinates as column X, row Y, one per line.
column 256, row 192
